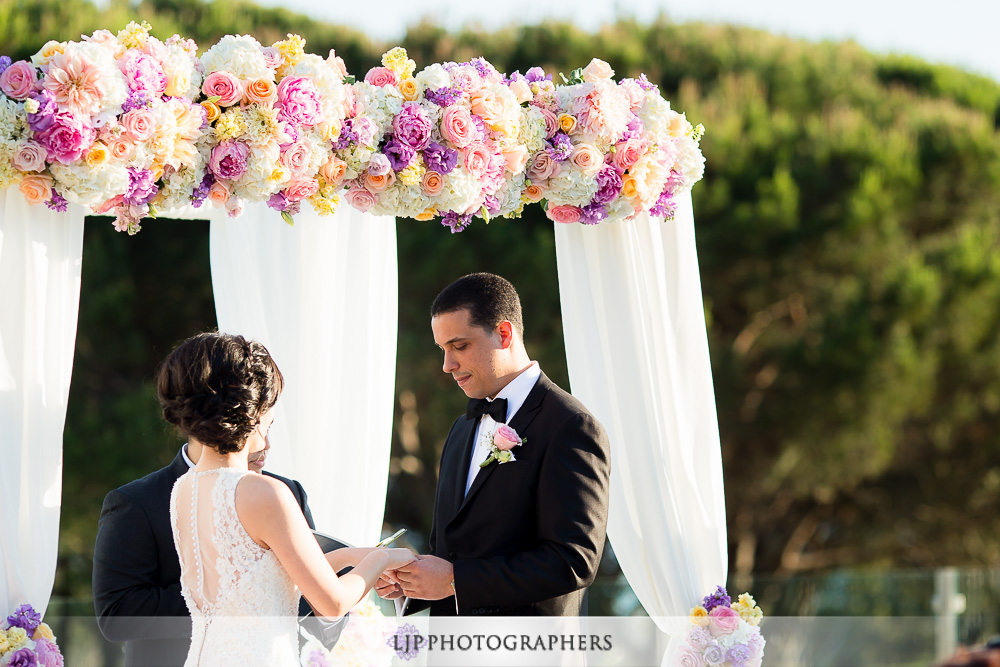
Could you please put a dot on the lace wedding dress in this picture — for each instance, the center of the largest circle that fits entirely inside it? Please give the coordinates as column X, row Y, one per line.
column 243, row 604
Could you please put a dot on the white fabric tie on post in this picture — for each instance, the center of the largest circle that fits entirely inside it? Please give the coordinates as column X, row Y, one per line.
column 322, row 296
column 637, row 351
column 40, row 262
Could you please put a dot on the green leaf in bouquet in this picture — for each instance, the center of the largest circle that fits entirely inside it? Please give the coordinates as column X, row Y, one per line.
column 153, row 212
column 287, row 217
column 214, row 99
column 350, row 79
column 486, row 214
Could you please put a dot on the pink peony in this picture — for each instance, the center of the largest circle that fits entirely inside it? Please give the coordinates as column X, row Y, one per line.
column 477, row 160
column 225, row 86
column 300, row 101
column 382, row 76
column 565, row 213
column 67, row 138
column 302, row 188
column 723, row 620
column 18, row 80
column 143, row 73
column 139, row 124
column 360, row 199
column 229, row 160
column 29, row 156
column 457, row 126
column 505, row 438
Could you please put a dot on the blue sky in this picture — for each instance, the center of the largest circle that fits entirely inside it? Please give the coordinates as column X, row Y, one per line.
column 957, row 32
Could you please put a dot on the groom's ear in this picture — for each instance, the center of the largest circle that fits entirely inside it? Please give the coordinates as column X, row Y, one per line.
column 506, row 332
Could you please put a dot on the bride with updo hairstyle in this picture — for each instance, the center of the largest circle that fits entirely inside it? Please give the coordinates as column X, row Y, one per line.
column 244, row 546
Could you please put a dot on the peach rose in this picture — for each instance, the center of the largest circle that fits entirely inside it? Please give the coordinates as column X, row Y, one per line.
column 486, row 105
column 360, row 199
column 477, row 160
column 565, row 214
column 336, row 63
column 382, row 76
column 597, row 69
column 112, row 203
column 587, row 158
column 629, row 188
column 521, row 90
column 427, row 214
column 212, row 111
column 534, row 193
column 432, row 183
column 302, row 188
column 36, row 188
column 333, row 171
column 457, row 126
column 567, row 123
column 225, row 86
column 139, row 124
column 516, row 159
column 378, row 183
column 98, row 154
column 409, row 89
column 121, row 148
column 628, row 152
column 330, row 128
column 218, row 194
column 261, row 91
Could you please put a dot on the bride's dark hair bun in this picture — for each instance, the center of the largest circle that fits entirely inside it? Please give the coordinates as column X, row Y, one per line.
column 214, row 387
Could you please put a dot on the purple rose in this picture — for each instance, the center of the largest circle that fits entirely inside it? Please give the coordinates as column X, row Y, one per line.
column 25, row 617
column 412, row 127
column 440, row 158
column 24, row 657
column 67, row 138
column 399, row 154
column 300, row 101
column 229, row 160
column 141, row 187
column 609, row 185
column 48, row 653
column 714, row 653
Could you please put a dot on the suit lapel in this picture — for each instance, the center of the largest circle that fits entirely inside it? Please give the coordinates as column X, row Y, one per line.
column 520, row 422
column 455, row 467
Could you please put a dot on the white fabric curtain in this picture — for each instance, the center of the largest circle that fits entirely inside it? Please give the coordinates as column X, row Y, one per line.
column 637, row 350
column 40, row 261
column 322, row 296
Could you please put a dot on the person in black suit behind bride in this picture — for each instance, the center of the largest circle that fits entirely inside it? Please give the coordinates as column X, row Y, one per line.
column 523, row 537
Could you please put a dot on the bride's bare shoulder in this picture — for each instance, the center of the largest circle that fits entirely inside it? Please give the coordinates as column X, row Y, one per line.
column 259, row 493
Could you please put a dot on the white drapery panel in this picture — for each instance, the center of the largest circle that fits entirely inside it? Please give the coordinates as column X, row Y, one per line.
column 322, row 297
column 40, row 262
column 637, row 350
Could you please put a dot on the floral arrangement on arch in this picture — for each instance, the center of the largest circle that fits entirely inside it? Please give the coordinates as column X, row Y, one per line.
column 27, row 642
column 724, row 633
column 129, row 125
column 363, row 641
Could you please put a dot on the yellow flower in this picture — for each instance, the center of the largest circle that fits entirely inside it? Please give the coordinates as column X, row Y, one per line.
column 567, row 123
column 260, row 123
column 230, row 125
column 412, row 175
column 397, row 60
column 427, row 214
column 323, row 205
column 409, row 89
column 50, row 48
column 629, row 188
column 699, row 616
column 212, row 111
column 134, row 35
column 44, row 632
column 17, row 638
column 177, row 85
column 98, row 154
column 292, row 49
column 516, row 213
column 4, row 644
column 279, row 174
column 748, row 610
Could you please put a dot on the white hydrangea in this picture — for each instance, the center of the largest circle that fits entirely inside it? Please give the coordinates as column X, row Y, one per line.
column 256, row 184
column 509, row 195
column 656, row 116
column 532, row 129
column 619, row 209
column 572, row 186
column 461, row 190
column 690, row 161
column 433, row 76
column 379, row 104
column 183, row 71
column 328, row 82
column 241, row 56
column 89, row 186
column 8, row 175
column 13, row 123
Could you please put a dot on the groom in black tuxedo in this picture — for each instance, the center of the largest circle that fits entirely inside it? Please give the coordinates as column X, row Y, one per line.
column 137, row 574
column 519, row 538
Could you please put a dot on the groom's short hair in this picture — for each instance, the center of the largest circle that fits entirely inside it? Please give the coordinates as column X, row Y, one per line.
column 489, row 299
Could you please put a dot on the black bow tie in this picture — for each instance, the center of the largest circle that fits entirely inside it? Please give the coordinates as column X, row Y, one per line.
column 480, row 406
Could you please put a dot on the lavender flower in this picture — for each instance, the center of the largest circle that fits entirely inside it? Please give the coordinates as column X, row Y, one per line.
column 25, row 617
column 200, row 193
column 42, row 119
column 561, row 146
column 717, row 599
column 278, row 201
column 482, row 66
column 738, row 655
column 480, row 127
column 57, row 203
column 399, row 154
column 440, row 158
column 645, row 84
column 665, row 207
column 24, row 657
column 141, row 187
column 347, row 136
column 136, row 100
column 444, row 97
column 455, row 222
column 4, row 63
column 537, row 74
column 609, row 185
column 593, row 213
column 492, row 204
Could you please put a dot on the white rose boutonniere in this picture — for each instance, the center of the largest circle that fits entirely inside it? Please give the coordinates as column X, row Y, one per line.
column 501, row 442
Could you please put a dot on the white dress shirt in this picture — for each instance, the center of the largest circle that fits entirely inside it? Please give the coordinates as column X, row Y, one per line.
column 515, row 392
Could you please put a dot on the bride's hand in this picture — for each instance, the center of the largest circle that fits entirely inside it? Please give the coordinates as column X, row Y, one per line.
column 397, row 558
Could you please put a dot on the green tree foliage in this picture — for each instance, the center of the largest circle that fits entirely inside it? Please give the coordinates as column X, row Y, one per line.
column 848, row 233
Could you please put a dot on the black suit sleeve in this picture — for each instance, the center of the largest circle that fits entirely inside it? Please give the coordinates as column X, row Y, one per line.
column 572, row 520
column 126, row 564
column 300, row 495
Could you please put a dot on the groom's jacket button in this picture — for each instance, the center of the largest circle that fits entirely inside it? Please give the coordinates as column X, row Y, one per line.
column 452, row 555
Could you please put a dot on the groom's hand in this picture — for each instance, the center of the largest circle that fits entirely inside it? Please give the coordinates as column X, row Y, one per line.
column 387, row 588
column 427, row 578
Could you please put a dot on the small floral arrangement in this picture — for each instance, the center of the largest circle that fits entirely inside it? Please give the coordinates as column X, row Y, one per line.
column 365, row 641
column 27, row 642
column 501, row 442
column 725, row 633
column 611, row 150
